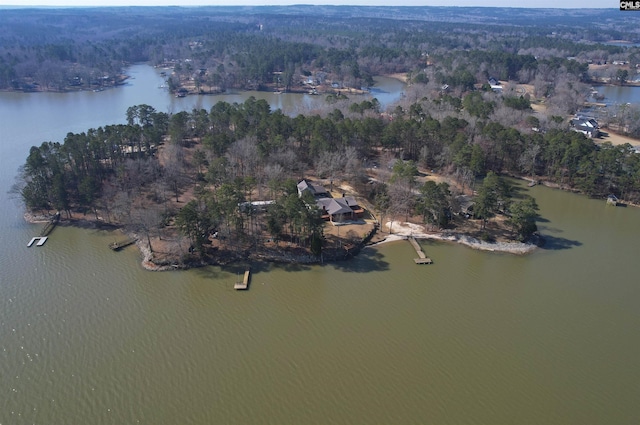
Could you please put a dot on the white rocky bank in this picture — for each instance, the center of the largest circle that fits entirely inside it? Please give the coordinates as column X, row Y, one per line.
column 401, row 230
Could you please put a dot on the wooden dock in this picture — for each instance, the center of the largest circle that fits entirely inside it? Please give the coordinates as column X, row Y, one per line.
column 44, row 234
column 51, row 224
column 117, row 246
column 422, row 258
column 244, row 284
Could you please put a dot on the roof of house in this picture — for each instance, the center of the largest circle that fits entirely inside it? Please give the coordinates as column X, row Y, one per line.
column 466, row 203
column 256, row 204
column 337, row 205
column 584, row 122
column 315, row 190
column 584, row 125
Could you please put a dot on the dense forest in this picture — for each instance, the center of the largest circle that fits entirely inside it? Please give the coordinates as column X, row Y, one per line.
column 198, row 171
column 55, row 49
column 212, row 49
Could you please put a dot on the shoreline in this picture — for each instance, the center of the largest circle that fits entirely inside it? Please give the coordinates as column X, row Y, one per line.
column 632, row 83
column 400, row 76
column 403, row 231
column 121, row 81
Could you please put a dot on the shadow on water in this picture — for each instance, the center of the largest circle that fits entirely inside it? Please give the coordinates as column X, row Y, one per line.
column 235, row 269
column 368, row 260
column 551, row 242
column 212, row 272
column 558, row 243
column 264, row 266
column 547, row 229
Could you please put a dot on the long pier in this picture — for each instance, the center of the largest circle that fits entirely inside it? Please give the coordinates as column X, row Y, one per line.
column 51, row 224
column 422, row 258
column 245, row 281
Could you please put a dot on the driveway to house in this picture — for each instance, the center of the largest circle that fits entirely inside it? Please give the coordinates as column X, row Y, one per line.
column 617, row 139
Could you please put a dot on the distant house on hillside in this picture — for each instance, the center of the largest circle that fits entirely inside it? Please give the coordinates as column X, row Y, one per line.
column 587, row 126
column 495, row 85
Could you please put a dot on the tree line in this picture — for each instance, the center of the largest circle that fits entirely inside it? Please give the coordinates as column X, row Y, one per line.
column 59, row 49
column 141, row 173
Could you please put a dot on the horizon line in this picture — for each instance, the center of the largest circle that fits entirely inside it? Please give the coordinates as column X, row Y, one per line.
column 192, row 6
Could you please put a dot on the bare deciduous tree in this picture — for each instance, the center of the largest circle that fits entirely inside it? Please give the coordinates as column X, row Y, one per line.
column 244, row 155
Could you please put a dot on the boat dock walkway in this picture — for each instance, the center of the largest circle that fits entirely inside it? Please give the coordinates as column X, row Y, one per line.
column 117, row 246
column 51, row 224
column 44, row 234
column 422, row 258
column 245, row 282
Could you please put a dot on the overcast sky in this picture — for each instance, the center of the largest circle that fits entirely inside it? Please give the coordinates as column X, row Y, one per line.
column 460, row 3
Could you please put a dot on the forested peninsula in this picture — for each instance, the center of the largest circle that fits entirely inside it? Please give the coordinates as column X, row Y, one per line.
column 241, row 180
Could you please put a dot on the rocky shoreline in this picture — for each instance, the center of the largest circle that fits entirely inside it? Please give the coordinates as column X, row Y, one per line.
column 403, row 231
column 517, row 248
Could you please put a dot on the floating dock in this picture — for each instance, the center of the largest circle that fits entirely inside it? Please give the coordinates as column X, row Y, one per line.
column 422, row 258
column 245, row 281
column 41, row 240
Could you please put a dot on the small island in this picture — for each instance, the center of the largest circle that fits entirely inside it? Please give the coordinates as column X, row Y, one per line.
column 242, row 182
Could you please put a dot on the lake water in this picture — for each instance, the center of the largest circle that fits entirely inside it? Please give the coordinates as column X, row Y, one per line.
column 620, row 95
column 88, row 337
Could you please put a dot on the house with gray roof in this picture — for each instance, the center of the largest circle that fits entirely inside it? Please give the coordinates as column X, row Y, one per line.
column 587, row 126
column 316, row 190
column 339, row 209
column 335, row 210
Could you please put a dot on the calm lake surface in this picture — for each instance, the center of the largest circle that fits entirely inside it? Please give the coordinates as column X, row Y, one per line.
column 620, row 95
column 88, row 337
